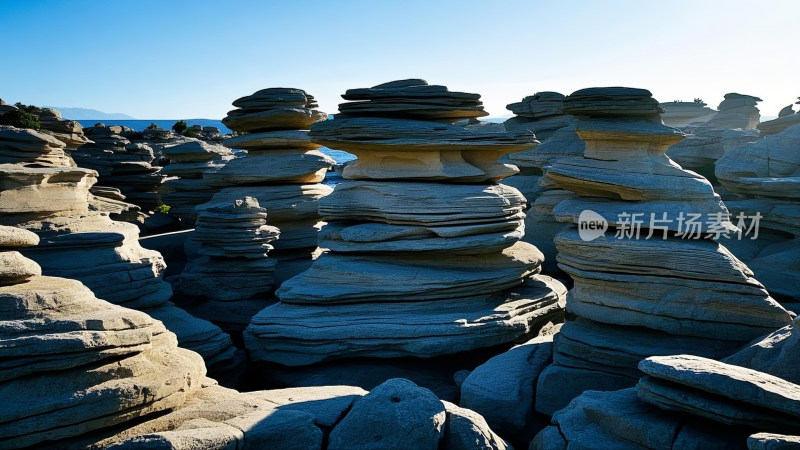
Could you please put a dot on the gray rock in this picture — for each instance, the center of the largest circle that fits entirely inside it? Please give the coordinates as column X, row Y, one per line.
column 467, row 430
column 394, row 415
column 401, row 328
column 502, row 389
column 389, row 148
column 777, row 354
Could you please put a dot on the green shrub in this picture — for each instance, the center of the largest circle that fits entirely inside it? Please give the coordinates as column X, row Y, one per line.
column 180, row 126
column 153, row 126
column 191, row 134
column 21, row 119
column 163, row 209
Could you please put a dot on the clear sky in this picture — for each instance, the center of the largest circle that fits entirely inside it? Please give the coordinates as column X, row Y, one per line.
column 171, row 59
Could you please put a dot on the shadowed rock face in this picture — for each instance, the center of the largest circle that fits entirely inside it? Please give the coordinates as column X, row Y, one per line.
column 425, row 259
column 666, row 294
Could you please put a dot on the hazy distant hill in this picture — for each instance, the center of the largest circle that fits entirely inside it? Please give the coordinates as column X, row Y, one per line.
column 90, row 114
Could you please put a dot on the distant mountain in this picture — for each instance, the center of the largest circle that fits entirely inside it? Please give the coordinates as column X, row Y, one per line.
column 90, row 114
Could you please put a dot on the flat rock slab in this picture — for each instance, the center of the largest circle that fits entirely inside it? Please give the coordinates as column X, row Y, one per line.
column 676, row 397
column 502, row 388
column 394, row 329
column 728, row 381
column 777, row 354
column 335, row 278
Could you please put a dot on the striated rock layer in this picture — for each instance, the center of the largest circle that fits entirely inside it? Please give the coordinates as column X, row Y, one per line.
column 283, row 170
column 765, row 178
column 422, row 264
column 652, row 284
column 79, row 372
column 81, row 243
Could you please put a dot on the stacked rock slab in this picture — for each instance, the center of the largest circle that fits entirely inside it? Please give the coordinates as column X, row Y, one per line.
column 185, row 189
column 72, row 364
column 737, row 111
column 228, row 269
column 765, row 178
column 79, row 372
column 86, row 245
column 425, row 255
column 645, row 293
column 542, row 114
column 283, row 169
column 733, row 126
column 122, row 164
column 686, row 402
column 680, row 114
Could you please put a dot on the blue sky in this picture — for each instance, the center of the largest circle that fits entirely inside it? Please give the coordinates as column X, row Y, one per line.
column 189, row 59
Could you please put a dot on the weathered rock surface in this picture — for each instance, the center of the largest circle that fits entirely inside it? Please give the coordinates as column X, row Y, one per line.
column 737, row 111
column 503, row 388
column 658, row 286
column 282, row 170
column 777, row 354
column 412, row 98
column 721, row 392
column 395, row 415
column 418, row 328
column 390, row 148
column 400, row 280
column 766, row 175
column 186, row 189
column 228, row 267
column 619, row 420
column 84, row 244
column 36, row 149
column 771, row 441
column 71, row 363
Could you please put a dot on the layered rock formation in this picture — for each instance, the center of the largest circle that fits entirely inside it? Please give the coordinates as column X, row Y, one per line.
column 72, row 364
column 542, row 114
column 425, row 256
column 185, row 189
column 80, row 243
column 660, row 285
column 686, row 402
column 130, row 168
column 79, row 372
column 733, row 126
column 228, row 269
column 680, row 114
column 283, row 169
column 737, row 111
column 765, row 177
